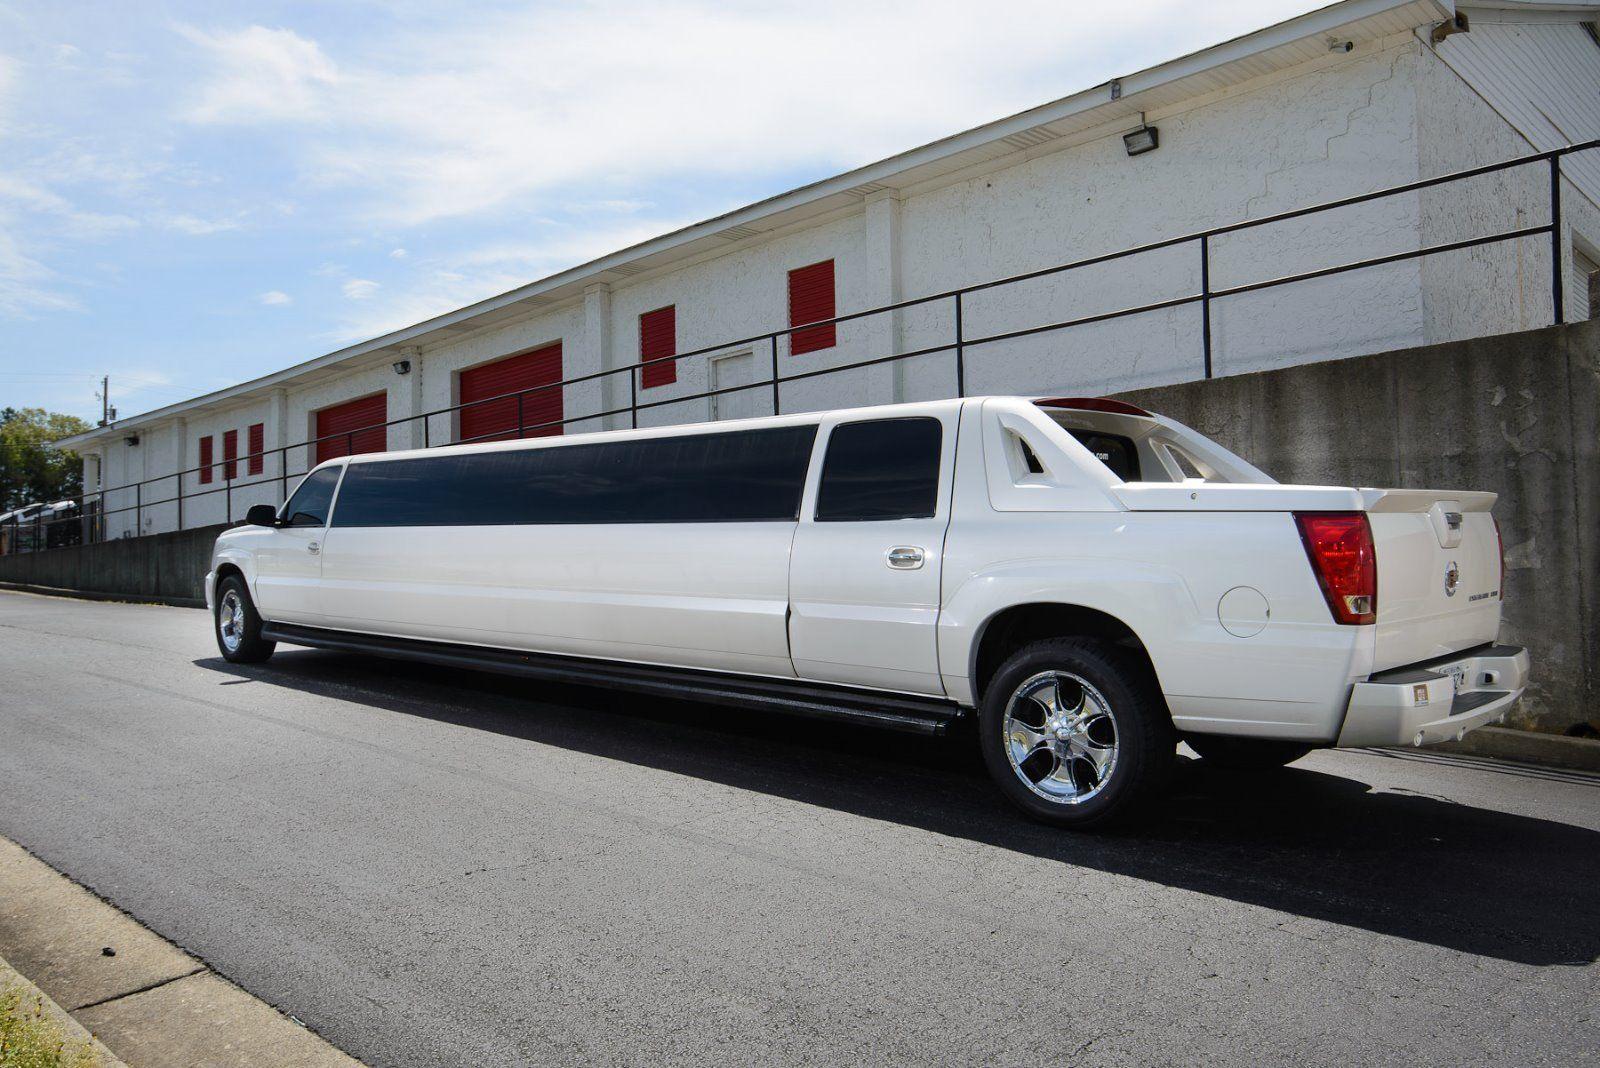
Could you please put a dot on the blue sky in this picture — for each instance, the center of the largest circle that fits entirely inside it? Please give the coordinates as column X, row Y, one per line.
column 196, row 194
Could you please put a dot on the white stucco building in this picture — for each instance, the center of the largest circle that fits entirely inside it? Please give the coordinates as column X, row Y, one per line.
column 1361, row 95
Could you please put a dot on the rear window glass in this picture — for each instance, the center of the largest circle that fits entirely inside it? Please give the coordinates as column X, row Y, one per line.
column 1113, row 450
column 881, row 469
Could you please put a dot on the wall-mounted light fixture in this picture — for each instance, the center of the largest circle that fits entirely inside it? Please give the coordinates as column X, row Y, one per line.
column 1145, row 139
column 131, row 440
column 402, row 367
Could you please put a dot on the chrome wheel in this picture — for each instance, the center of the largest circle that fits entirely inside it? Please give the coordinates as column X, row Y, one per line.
column 230, row 621
column 1060, row 737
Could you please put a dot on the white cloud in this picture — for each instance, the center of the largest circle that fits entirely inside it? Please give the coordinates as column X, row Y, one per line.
column 262, row 75
column 641, row 91
column 398, row 254
column 275, row 297
column 360, row 288
column 8, row 82
column 447, row 282
column 198, row 227
column 18, row 193
column 26, row 285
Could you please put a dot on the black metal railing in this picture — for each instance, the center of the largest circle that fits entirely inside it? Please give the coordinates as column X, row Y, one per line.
column 959, row 345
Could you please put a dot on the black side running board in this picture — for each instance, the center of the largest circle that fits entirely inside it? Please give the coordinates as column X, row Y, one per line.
column 903, row 712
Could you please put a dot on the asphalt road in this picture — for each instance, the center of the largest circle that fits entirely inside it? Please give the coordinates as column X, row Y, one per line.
column 433, row 868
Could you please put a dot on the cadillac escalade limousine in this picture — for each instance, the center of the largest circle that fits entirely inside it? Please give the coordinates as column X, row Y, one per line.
column 1086, row 581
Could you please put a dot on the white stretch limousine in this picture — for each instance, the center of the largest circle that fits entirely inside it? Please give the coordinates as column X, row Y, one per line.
column 1090, row 580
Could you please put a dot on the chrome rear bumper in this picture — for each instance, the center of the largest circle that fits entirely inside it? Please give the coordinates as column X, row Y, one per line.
column 1436, row 701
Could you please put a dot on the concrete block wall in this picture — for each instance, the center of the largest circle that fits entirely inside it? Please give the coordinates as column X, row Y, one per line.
column 1518, row 414
column 167, row 567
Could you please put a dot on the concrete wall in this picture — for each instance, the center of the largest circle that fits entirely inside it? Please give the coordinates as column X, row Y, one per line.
column 1518, row 414
column 165, row 567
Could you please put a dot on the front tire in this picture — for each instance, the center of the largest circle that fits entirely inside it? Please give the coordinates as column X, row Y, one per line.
column 1245, row 754
column 1075, row 733
column 237, row 624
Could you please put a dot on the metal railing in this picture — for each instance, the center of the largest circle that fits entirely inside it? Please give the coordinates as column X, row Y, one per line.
column 959, row 344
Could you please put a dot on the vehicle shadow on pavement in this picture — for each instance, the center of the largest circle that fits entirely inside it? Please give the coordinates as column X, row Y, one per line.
column 1299, row 841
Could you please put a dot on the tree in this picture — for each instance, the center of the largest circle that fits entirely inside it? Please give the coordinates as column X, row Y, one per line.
column 32, row 468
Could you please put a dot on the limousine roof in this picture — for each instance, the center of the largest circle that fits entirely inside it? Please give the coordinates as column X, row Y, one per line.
column 877, row 411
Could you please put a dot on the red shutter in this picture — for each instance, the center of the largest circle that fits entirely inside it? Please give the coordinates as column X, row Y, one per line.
column 658, row 340
column 354, row 426
column 810, row 299
column 496, row 420
column 230, row 454
column 205, row 459
column 257, row 444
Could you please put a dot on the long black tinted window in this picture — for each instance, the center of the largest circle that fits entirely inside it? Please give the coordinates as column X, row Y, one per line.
column 743, row 476
column 309, row 505
column 883, row 469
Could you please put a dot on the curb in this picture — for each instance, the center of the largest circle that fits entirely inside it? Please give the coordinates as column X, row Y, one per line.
column 1528, row 747
column 94, row 595
column 151, row 1003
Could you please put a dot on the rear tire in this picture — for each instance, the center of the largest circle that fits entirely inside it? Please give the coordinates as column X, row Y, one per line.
column 1245, row 754
column 1075, row 733
column 237, row 624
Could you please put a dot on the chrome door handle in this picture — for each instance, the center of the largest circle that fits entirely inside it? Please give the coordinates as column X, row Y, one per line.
column 313, row 547
column 905, row 557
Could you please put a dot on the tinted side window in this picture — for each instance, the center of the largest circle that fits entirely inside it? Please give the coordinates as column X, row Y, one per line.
column 309, row 505
column 882, row 469
column 744, row 476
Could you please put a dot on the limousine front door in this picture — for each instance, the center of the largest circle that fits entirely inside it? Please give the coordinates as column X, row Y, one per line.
column 864, row 580
column 289, row 559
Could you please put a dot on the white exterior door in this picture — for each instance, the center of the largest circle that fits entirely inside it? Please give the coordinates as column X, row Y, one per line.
column 289, row 560
column 738, row 369
column 864, row 580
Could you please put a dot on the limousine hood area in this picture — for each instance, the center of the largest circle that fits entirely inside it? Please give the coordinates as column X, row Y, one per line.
column 889, row 566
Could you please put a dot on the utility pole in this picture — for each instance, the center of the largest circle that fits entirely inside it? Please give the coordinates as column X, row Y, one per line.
column 105, row 400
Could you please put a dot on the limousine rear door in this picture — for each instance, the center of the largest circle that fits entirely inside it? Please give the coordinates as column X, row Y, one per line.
column 864, row 580
column 664, row 547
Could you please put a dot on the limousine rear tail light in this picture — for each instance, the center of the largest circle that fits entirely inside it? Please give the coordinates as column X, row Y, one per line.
column 1500, row 542
column 1339, row 546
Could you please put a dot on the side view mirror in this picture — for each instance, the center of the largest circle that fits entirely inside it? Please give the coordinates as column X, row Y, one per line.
column 262, row 515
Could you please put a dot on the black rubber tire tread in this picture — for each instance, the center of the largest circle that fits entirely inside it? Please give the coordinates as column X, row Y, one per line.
column 1245, row 754
column 1147, row 742
column 253, row 649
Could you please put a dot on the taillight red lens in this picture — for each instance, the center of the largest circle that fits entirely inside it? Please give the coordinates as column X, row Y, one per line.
column 1339, row 545
column 1500, row 540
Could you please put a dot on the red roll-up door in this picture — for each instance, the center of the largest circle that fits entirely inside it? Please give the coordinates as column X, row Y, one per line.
column 354, row 426
column 541, row 410
column 810, row 299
